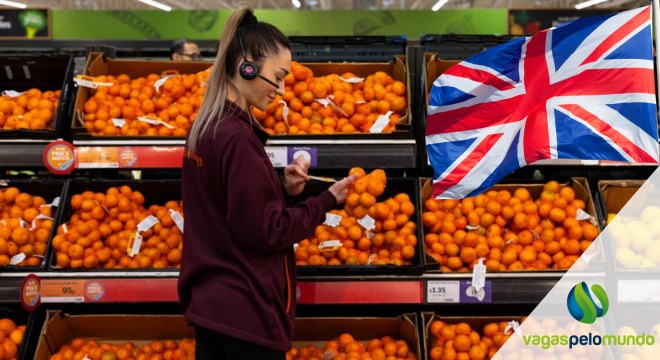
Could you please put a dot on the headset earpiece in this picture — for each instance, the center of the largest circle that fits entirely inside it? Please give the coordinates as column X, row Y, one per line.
column 248, row 70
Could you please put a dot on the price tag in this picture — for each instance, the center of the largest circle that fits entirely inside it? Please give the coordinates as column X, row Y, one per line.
column 153, row 121
column 438, row 291
column 178, row 219
column 332, row 219
column 134, row 247
column 285, row 112
column 17, row 259
column 39, row 217
column 583, row 215
column 147, row 223
column 278, row 155
column 513, row 326
column 352, row 80
column 12, row 93
column 367, row 222
column 86, row 81
column 381, row 123
column 479, row 275
column 62, row 291
column 330, row 245
column 118, row 122
column 472, row 227
column 56, row 202
column 162, row 81
column 97, row 157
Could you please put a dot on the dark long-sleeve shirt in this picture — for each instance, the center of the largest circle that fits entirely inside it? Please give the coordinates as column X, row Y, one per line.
column 238, row 270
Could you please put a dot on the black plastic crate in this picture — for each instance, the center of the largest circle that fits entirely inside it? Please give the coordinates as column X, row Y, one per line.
column 49, row 190
column 346, row 48
column 156, row 192
column 409, row 186
column 21, row 72
column 460, row 47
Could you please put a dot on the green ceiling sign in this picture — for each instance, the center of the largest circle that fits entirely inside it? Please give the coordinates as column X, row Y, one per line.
column 207, row 25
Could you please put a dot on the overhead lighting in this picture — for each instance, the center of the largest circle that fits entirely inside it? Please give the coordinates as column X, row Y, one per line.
column 156, row 4
column 13, row 4
column 296, row 3
column 439, row 4
column 586, row 4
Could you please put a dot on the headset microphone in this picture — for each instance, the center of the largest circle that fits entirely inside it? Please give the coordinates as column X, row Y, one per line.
column 249, row 70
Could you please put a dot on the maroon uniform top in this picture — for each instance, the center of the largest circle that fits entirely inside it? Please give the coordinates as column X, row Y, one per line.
column 238, row 269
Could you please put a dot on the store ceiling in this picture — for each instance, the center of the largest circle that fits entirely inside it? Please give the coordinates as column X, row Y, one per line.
column 326, row 4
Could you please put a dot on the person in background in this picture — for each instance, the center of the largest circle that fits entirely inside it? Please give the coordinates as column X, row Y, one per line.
column 237, row 283
column 184, row 50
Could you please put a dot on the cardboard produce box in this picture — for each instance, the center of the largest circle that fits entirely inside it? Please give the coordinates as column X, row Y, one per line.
column 98, row 64
column 615, row 194
column 318, row 331
column 579, row 185
column 397, row 68
column 45, row 72
column 60, row 328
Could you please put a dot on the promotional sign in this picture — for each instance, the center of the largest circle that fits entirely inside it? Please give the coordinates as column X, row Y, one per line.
column 25, row 24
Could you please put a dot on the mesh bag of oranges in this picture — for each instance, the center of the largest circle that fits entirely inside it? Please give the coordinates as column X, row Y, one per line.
column 366, row 231
column 80, row 348
column 114, row 230
column 345, row 346
column 11, row 336
column 336, row 103
column 510, row 228
column 26, row 223
column 33, row 109
column 152, row 105
column 460, row 340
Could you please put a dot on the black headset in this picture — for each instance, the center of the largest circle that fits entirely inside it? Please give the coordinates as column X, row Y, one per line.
column 248, row 69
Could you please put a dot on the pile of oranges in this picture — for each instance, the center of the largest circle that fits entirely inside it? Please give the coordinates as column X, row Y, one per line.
column 175, row 103
column 25, row 227
column 391, row 241
column 79, row 349
column 11, row 337
column 34, row 110
column 460, row 341
column 356, row 105
column 103, row 226
column 511, row 231
column 346, row 347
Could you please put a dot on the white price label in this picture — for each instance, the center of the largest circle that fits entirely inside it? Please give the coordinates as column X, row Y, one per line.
column 90, row 83
column 441, row 291
column 162, row 81
column 332, row 219
column 352, row 80
column 583, row 215
column 330, row 245
column 118, row 122
column 277, row 155
column 479, row 275
column 513, row 327
column 39, row 217
column 285, row 112
column 56, row 202
column 178, row 219
column 12, row 93
column 151, row 121
column 137, row 242
column 324, row 102
column 367, row 222
column 17, row 259
column 147, row 223
column 381, row 123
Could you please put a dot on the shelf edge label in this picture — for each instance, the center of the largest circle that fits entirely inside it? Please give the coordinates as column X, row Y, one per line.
column 31, row 292
column 59, row 157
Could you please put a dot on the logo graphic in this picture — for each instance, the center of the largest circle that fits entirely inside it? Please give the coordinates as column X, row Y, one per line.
column 59, row 157
column 94, row 291
column 32, row 21
column 581, row 304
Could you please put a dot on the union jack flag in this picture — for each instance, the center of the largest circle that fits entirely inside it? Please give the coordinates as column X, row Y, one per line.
column 584, row 90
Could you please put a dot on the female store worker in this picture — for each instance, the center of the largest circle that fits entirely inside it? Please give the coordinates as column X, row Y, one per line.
column 237, row 282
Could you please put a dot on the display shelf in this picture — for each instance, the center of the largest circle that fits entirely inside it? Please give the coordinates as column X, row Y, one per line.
column 325, row 153
column 22, row 153
column 501, row 288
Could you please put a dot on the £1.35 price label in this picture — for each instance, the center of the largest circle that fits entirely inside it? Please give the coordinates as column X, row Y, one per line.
column 442, row 291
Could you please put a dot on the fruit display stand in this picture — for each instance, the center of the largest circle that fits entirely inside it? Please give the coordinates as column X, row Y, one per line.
column 34, row 105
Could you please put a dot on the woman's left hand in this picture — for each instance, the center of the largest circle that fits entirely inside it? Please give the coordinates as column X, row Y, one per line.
column 295, row 176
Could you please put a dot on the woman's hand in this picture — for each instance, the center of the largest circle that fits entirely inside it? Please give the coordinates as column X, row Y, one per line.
column 340, row 188
column 295, row 176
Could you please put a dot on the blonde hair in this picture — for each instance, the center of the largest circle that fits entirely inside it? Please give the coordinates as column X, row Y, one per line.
column 260, row 40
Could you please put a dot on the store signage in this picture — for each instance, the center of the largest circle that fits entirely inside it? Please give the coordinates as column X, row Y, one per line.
column 59, row 157
column 94, row 291
column 97, row 157
column 458, row 291
column 31, row 292
column 62, row 291
column 529, row 22
column 25, row 24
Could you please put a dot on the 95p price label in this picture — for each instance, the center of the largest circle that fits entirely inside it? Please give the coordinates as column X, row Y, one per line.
column 442, row 291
